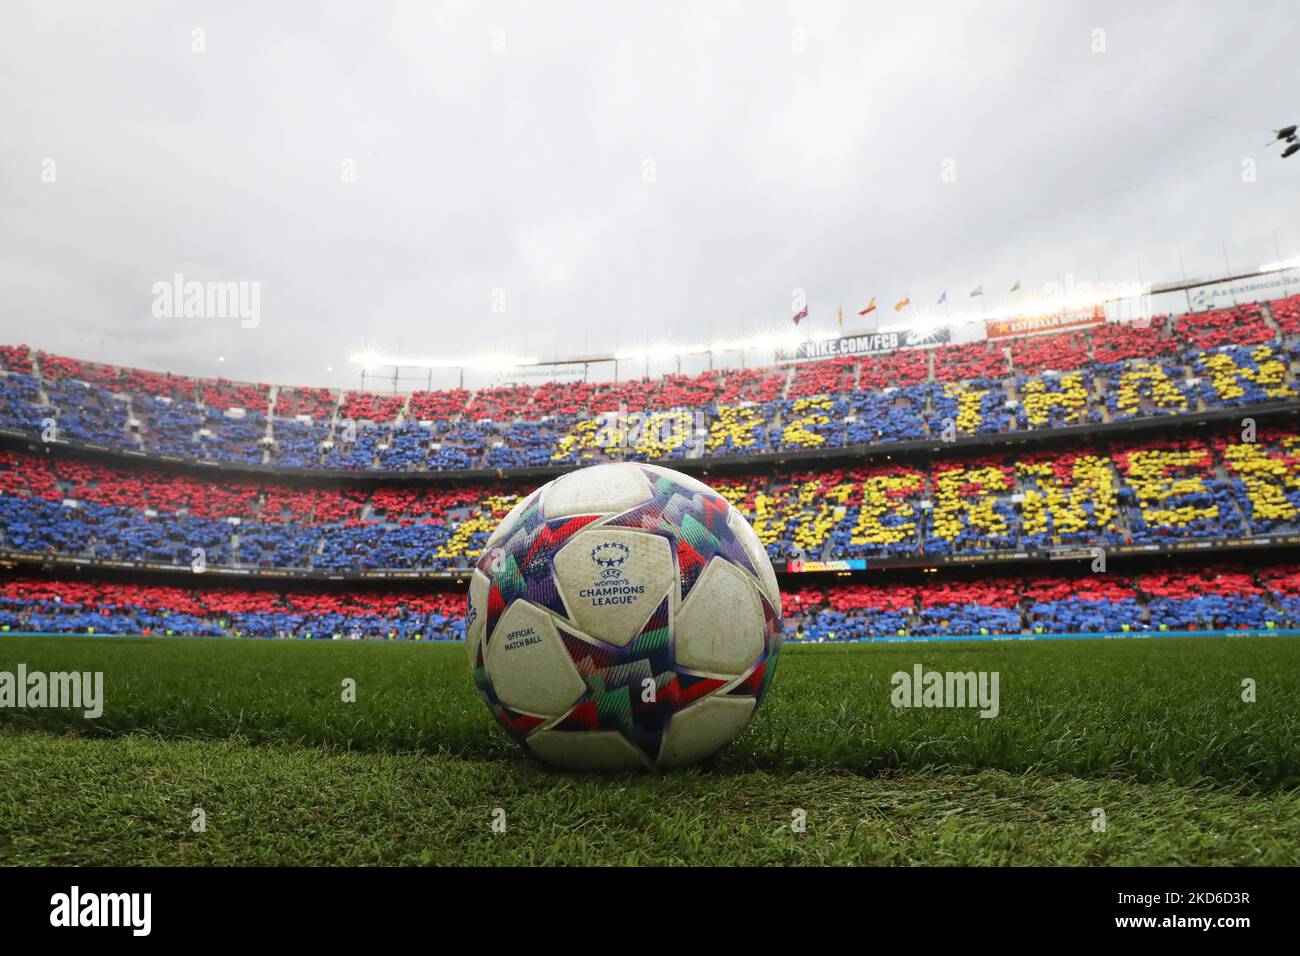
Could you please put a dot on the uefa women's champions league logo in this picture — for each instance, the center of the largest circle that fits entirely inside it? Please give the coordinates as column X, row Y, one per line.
column 611, row 587
column 610, row 557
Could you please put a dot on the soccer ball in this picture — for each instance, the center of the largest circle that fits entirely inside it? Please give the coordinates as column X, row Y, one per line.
column 623, row 616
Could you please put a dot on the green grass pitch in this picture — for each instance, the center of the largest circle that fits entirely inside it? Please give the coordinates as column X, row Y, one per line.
column 1152, row 733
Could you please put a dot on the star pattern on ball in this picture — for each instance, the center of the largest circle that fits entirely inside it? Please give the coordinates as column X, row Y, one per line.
column 617, row 688
column 695, row 523
column 523, row 565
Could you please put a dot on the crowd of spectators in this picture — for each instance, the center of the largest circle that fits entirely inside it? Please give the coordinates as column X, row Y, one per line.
column 1134, row 493
column 42, row 605
column 1152, row 603
column 1217, row 359
column 1212, row 599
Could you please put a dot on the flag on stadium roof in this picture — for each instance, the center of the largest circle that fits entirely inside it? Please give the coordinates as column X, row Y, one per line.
column 1016, row 287
column 840, row 317
column 943, row 298
column 801, row 315
column 902, row 304
column 871, row 307
column 979, row 290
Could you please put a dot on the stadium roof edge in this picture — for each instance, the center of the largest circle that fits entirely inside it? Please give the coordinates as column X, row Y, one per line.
column 372, row 362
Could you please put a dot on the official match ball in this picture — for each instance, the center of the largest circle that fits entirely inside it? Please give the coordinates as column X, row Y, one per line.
column 623, row 616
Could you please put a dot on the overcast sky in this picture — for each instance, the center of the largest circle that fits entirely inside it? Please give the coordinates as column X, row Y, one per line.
column 624, row 173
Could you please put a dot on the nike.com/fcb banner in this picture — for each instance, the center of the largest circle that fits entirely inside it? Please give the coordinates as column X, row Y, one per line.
column 869, row 343
column 1051, row 322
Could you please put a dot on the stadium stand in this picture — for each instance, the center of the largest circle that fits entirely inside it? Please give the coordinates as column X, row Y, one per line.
column 16, row 358
column 1223, row 358
column 1222, row 598
column 318, row 404
column 1235, row 485
column 45, row 606
column 1130, row 493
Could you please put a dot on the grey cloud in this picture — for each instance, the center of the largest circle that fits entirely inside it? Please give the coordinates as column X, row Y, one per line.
column 523, row 169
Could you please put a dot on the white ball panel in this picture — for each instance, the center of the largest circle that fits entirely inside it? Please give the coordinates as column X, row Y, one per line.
column 527, row 663
column 612, row 607
column 720, row 627
column 587, row 750
column 476, row 616
column 601, row 489
column 703, row 729
column 748, row 537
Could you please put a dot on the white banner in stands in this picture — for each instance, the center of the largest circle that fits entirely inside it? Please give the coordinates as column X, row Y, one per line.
column 870, row 343
column 1222, row 295
column 537, row 374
